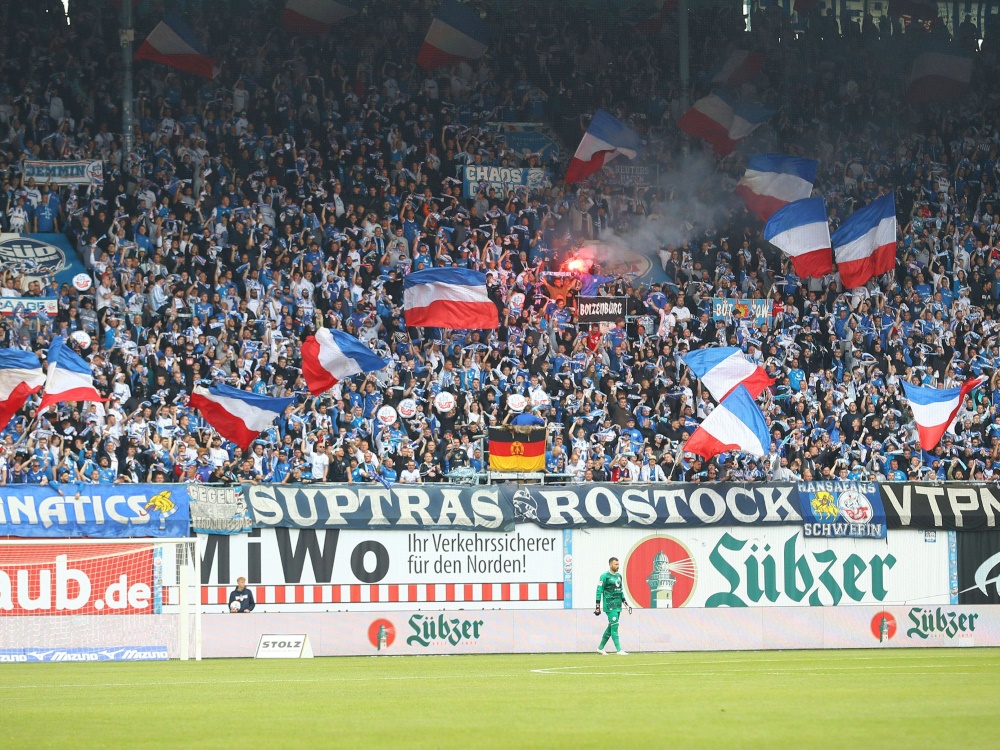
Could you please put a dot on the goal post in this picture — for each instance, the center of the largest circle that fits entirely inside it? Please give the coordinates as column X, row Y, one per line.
column 100, row 599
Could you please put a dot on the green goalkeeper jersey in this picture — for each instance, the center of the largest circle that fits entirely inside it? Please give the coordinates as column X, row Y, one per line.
column 610, row 588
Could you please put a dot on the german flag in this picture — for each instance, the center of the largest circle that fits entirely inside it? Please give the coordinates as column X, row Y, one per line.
column 517, row 448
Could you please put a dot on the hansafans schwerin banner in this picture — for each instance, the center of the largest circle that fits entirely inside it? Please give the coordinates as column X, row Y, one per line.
column 842, row 509
column 953, row 505
column 654, row 506
column 375, row 506
column 111, row 511
column 979, row 567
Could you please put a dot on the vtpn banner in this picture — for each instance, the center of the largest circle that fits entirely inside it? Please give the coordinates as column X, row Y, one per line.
column 654, row 506
column 344, row 506
column 110, row 511
column 952, row 505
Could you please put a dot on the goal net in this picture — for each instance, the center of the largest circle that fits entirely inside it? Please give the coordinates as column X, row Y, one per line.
column 99, row 600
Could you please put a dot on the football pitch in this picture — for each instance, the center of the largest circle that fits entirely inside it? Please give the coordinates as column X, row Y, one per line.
column 809, row 699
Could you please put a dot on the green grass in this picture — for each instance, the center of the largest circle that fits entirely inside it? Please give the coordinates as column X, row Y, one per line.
column 938, row 698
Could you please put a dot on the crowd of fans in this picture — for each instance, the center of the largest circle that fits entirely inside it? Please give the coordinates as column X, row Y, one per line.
column 298, row 188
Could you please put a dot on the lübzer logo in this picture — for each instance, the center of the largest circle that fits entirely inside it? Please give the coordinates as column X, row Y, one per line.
column 46, row 258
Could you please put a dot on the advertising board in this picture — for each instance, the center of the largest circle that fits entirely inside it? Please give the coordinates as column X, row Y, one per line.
column 408, row 632
column 304, row 570
column 762, row 566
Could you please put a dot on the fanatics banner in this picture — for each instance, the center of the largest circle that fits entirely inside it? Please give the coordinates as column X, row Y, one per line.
column 376, row 506
column 108, row 511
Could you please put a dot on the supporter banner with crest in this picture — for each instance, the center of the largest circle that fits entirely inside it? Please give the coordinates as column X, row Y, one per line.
column 842, row 509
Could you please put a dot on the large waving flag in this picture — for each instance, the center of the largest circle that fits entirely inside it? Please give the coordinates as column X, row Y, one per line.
column 648, row 16
column 723, row 369
column 865, row 244
column 800, row 230
column 737, row 424
column 20, row 376
column 723, row 122
column 316, row 16
column 69, row 377
column 940, row 73
column 457, row 33
column 934, row 409
column 173, row 43
column 606, row 138
column 772, row 181
column 331, row 356
column 453, row 298
column 740, row 67
column 239, row 416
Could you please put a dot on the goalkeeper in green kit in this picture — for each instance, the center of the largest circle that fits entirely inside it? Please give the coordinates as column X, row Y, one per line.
column 610, row 586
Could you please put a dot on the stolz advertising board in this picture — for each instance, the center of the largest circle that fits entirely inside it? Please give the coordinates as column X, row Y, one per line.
column 317, row 570
column 763, row 566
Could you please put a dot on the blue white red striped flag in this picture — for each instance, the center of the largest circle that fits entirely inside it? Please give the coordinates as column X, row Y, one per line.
column 457, row 33
column 606, row 138
column 934, row 409
column 722, row 121
column 865, row 244
column 238, row 416
column 453, row 298
column 173, row 43
column 772, row 181
column 316, row 16
column 737, row 424
column 21, row 375
column 721, row 369
column 800, row 230
column 332, row 355
column 69, row 377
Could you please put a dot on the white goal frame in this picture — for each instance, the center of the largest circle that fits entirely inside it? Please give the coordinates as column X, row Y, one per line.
column 177, row 588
